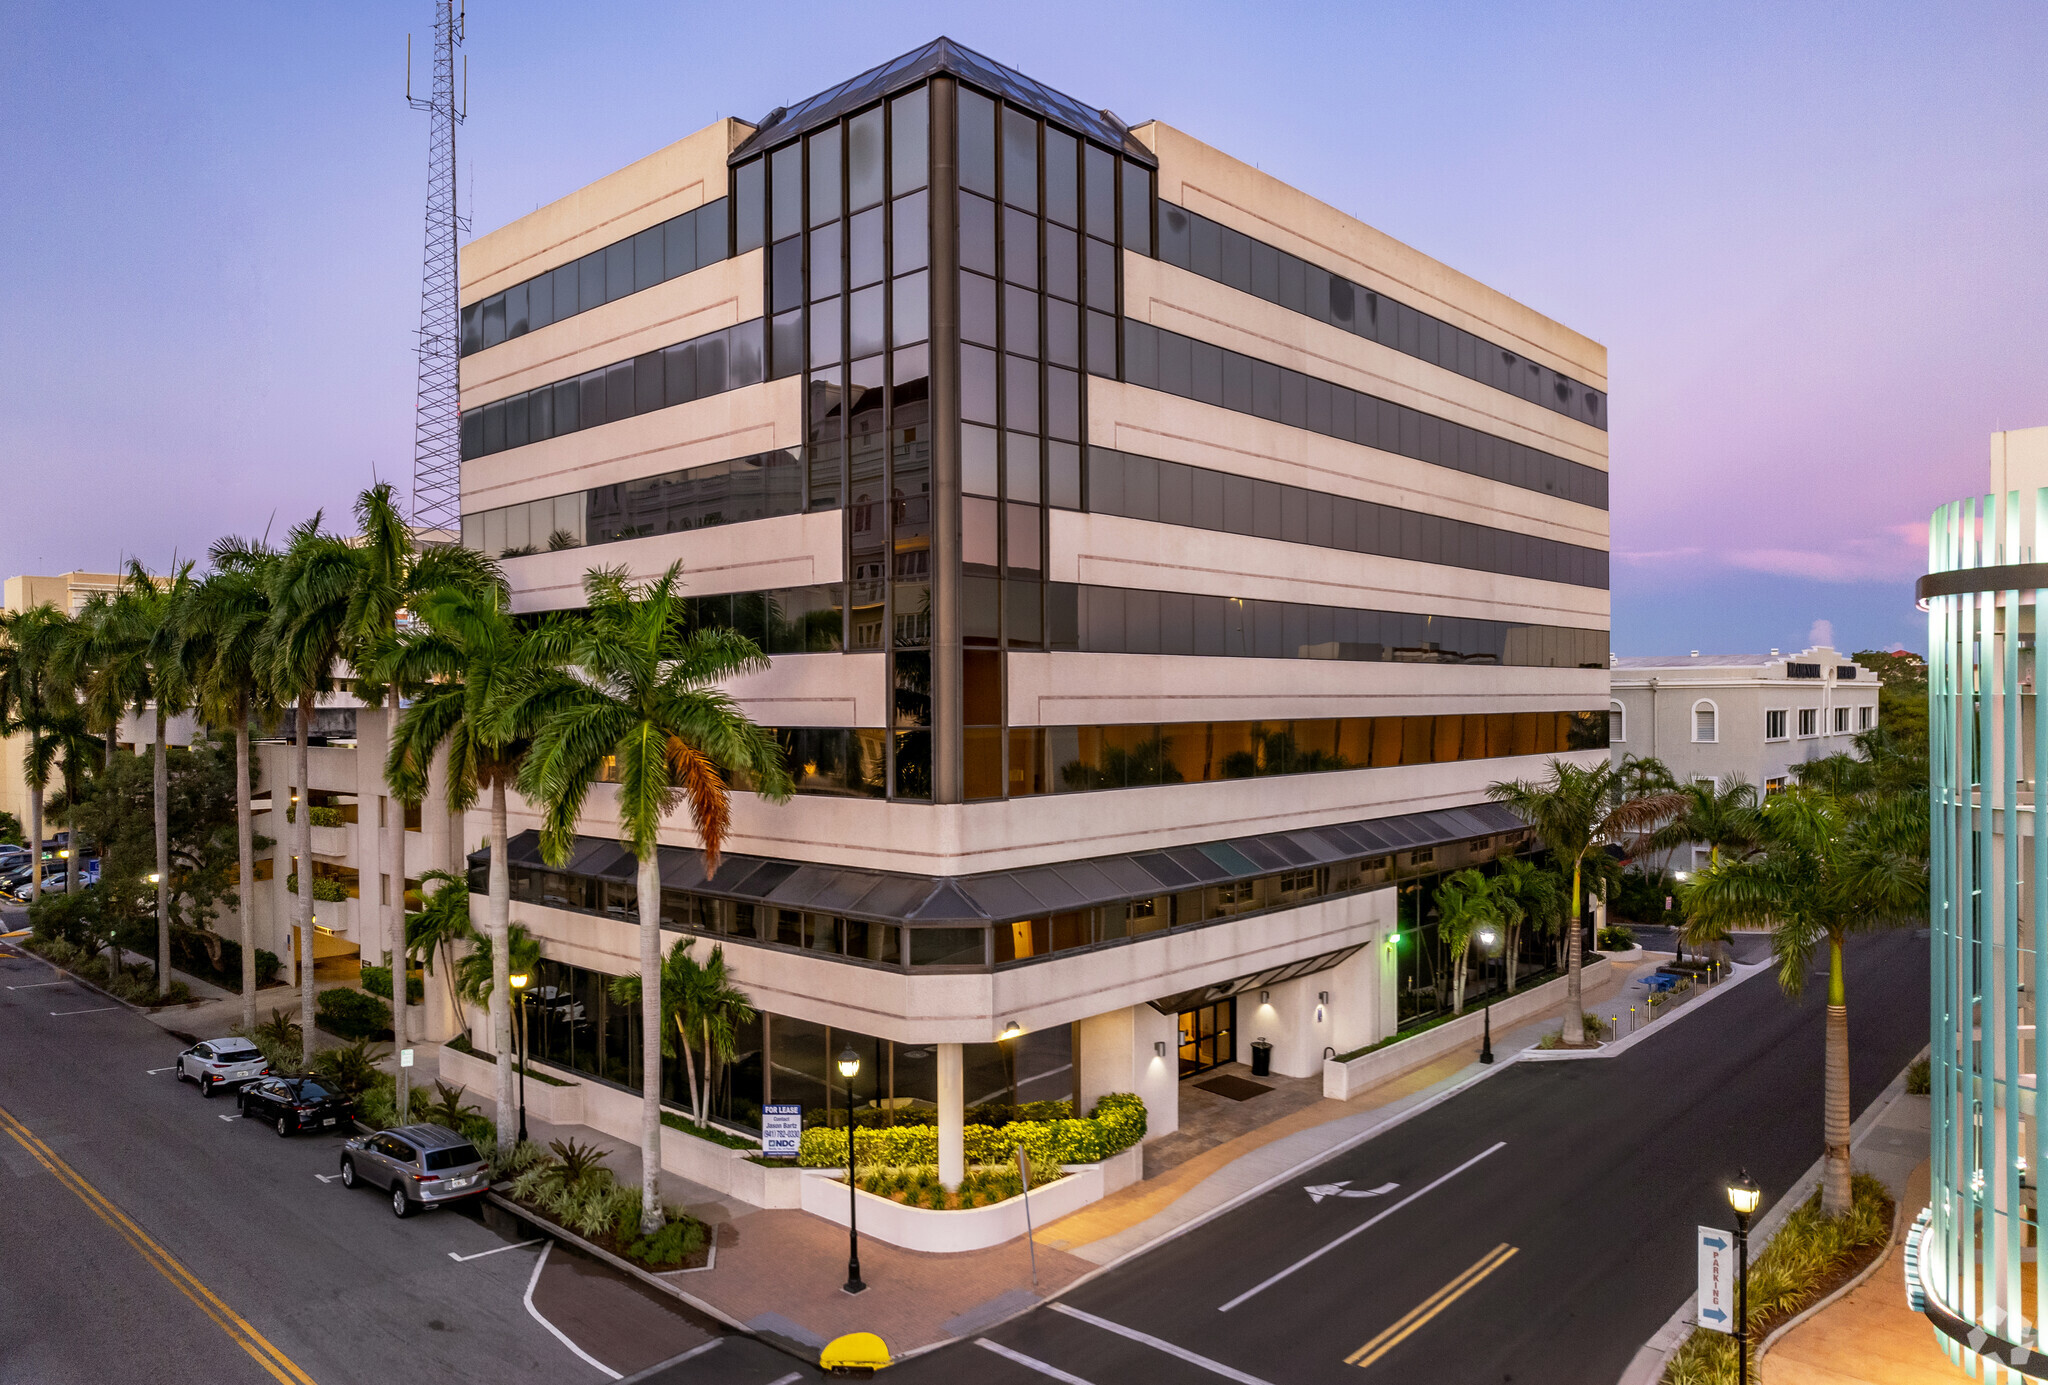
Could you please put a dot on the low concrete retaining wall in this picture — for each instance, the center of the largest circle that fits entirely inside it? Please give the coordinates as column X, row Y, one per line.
column 974, row 1228
column 561, row 1105
column 1342, row 1081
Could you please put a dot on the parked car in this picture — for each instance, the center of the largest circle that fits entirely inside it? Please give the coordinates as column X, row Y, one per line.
column 420, row 1165
column 225, row 1062
column 293, row 1104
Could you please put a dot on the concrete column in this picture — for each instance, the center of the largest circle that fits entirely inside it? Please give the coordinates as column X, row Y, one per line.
column 1120, row 1053
column 952, row 1115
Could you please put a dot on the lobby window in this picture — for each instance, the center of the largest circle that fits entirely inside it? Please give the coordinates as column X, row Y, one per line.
column 1704, row 722
column 1774, row 724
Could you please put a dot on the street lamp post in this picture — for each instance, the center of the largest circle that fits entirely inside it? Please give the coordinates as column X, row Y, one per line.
column 1743, row 1195
column 1487, row 938
column 518, row 979
column 849, row 1064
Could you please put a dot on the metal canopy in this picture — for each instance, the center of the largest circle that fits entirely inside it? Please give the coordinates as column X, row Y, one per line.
column 941, row 55
column 1027, row 892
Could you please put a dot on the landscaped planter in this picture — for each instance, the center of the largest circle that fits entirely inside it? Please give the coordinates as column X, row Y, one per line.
column 1344, row 1080
column 974, row 1228
column 557, row 1105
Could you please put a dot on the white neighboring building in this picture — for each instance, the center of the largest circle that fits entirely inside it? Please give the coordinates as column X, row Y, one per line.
column 1715, row 716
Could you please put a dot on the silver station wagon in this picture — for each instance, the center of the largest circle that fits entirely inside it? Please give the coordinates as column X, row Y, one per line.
column 420, row 1165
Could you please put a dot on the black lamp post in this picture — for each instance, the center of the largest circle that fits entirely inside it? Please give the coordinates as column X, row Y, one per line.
column 1487, row 938
column 1743, row 1195
column 518, row 980
column 849, row 1064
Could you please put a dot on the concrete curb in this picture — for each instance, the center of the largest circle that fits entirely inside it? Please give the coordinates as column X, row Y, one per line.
column 129, row 1005
column 1615, row 1049
column 568, row 1237
column 1647, row 1366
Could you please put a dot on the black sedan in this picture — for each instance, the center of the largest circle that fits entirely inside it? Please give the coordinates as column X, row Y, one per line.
column 293, row 1104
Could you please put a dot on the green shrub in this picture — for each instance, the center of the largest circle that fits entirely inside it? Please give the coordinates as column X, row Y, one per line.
column 1117, row 1123
column 1619, row 938
column 71, row 917
column 377, row 981
column 350, row 1069
column 324, row 889
column 353, row 1014
column 673, row 1245
column 1639, row 897
column 1919, row 1078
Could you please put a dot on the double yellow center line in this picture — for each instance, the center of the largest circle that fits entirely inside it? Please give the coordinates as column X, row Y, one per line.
column 280, row 1366
column 1430, row 1307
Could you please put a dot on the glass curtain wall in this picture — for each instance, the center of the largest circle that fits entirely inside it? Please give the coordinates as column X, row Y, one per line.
column 1423, row 974
column 1041, row 220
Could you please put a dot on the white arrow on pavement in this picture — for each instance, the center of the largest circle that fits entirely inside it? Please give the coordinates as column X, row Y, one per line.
column 1319, row 1191
column 326, row 1177
column 230, row 1118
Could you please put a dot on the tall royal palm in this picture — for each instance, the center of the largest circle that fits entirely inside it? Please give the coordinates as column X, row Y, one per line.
column 1826, row 867
column 30, row 679
column 634, row 692
column 458, row 662
column 1576, row 809
column 146, row 612
column 222, row 627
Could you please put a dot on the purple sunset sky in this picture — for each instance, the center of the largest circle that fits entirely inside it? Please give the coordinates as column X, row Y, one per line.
column 1810, row 237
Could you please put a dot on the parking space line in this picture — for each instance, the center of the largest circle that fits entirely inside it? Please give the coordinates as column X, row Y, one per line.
column 1030, row 1363
column 1160, row 1344
column 38, row 985
column 1422, row 1312
column 498, row 1250
column 1366, row 1225
column 785, row 1380
column 559, row 1335
column 239, row 1330
column 152, row 1072
column 236, row 1118
column 97, row 1009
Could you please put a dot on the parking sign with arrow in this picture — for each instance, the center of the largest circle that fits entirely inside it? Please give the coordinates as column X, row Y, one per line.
column 1717, row 1280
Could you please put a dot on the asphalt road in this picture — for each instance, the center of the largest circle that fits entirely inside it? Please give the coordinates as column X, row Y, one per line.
column 1541, row 1229
column 148, row 1234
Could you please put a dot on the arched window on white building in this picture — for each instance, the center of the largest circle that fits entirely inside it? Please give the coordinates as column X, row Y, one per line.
column 1617, row 724
column 1705, row 722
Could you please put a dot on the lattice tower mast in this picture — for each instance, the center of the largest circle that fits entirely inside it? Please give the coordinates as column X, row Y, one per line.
column 437, row 422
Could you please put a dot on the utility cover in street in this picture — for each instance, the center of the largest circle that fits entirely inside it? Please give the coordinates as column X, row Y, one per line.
column 1717, row 1280
column 1319, row 1191
column 782, row 1130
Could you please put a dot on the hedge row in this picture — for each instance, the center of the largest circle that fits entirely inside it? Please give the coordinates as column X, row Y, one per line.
column 1117, row 1123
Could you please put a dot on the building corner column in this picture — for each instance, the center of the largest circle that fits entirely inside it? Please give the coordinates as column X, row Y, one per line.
column 952, row 1115
column 948, row 785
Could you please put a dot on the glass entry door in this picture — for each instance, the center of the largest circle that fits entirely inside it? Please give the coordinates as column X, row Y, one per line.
column 1208, row 1037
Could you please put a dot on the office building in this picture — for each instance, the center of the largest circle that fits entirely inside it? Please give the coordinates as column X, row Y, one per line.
column 1157, row 566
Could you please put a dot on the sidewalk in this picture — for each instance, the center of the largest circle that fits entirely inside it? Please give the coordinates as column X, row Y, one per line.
column 779, row 1272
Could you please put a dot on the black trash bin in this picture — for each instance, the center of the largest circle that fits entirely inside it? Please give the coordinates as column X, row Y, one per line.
column 1262, row 1058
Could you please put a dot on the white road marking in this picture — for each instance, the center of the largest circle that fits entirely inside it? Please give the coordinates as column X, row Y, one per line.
column 38, row 985
column 1362, row 1226
column 236, row 1118
column 697, row 1350
column 785, row 1380
column 97, row 1009
column 495, row 1251
column 326, row 1177
column 1159, row 1344
column 1318, row 1191
column 1029, row 1362
column 154, row 1071
column 538, row 1265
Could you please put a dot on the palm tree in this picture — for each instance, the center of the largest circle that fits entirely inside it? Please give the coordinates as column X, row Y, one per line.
column 1529, row 895
column 721, row 1008
column 459, row 661
column 1465, row 902
column 30, row 676
column 633, row 689
column 147, row 612
column 1721, row 818
column 1826, row 867
column 698, row 1000
column 1577, row 809
column 478, row 975
column 222, row 627
column 442, row 922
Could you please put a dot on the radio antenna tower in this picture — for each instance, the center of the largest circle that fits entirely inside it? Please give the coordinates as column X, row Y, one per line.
column 437, row 421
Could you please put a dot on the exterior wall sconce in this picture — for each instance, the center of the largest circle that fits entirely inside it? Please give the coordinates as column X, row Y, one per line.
column 1159, row 1048
column 1322, row 1005
column 1011, row 1030
column 1265, row 996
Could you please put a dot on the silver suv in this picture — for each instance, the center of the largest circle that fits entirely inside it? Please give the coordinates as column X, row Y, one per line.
column 421, row 1165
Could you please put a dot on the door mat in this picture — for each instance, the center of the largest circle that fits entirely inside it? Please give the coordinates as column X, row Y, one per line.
column 1234, row 1087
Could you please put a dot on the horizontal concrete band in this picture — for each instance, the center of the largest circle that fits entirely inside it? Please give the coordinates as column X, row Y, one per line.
column 2004, row 578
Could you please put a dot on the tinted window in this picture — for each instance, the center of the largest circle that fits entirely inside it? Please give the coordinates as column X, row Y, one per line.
column 977, row 116
column 1020, row 160
column 864, row 160
column 453, row 1157
column 909, row 118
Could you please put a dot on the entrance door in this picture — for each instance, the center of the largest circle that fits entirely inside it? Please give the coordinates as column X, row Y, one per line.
column 1208, row 1037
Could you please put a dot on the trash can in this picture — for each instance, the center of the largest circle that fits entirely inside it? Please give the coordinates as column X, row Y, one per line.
column 1262, row 1058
